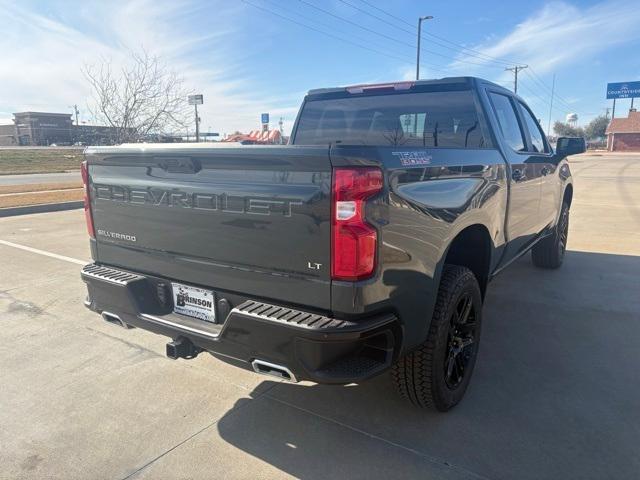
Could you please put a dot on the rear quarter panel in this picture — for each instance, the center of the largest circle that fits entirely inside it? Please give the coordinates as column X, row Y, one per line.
column 422, row 209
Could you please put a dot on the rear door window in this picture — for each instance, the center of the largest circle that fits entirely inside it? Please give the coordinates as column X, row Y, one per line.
column 508, row 121
column 420, row 119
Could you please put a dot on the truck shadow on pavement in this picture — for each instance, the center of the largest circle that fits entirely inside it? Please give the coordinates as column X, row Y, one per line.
column 550, row 397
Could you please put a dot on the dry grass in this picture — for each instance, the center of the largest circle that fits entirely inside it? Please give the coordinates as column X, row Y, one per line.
column 39, row 160
column 36, row 198
column 39, row 187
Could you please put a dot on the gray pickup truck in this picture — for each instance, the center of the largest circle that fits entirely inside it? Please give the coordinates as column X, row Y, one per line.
column 365, row 245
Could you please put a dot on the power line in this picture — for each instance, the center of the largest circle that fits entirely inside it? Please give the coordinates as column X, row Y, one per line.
column 536, row 78
column 357, row 24
column 558, row 109
column 325, row 24
column 456, row 47
column 337, row 37
column 435, row 67
column 410, row 45
column 432, row 52
column 461, row 48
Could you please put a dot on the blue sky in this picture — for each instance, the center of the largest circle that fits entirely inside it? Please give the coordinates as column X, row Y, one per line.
column 247, row 58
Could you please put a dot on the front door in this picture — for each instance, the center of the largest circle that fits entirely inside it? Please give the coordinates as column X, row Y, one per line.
column 523, row 215
column 540, row 153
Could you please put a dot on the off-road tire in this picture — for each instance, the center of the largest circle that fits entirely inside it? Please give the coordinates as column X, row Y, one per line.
column 549, row 252
column 420, row 376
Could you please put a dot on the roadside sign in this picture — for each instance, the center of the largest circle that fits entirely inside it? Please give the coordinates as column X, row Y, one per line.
column 265, row 118
column 623, row 90
column 196, row 99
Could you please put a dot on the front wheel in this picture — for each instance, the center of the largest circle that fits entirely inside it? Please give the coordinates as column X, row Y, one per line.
column 549, row 252
column 438, row 372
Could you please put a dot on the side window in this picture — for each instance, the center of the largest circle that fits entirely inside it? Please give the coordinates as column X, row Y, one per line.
column 537, row 137
column 508, row 121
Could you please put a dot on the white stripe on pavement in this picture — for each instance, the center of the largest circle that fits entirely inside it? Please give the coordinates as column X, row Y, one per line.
column 42, row 252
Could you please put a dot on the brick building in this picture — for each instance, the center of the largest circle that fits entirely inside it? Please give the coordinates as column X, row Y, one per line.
column 40, row 128
column 37, row 128
column 623, row 134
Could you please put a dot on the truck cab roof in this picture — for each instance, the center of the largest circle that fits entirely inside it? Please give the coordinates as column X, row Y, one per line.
column 404, row 85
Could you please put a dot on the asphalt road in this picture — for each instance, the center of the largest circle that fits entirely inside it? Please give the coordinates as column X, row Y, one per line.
column 31, row 178
column 556, row 391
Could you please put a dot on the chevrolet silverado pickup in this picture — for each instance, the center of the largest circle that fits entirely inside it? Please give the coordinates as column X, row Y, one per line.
column 365, row 245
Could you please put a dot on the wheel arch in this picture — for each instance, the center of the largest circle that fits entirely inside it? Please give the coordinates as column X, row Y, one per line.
column 568, row 194
column 472, row 248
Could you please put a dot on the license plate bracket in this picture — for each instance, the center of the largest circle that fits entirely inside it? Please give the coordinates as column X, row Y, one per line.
column 194, row 302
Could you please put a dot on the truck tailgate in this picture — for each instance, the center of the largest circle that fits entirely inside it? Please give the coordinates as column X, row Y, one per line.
column 252, row 220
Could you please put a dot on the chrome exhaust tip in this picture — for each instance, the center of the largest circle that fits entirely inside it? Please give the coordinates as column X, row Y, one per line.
column 273, row 370
column 113, row 318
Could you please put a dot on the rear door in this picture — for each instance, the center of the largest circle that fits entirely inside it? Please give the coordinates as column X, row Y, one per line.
column 523, row 220
column 252, row 220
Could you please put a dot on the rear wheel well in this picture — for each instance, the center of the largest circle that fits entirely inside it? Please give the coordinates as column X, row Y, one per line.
column 568, row 195
column 472, row 249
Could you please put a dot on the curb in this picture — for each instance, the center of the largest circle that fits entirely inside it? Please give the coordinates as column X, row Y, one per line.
column 46, row 207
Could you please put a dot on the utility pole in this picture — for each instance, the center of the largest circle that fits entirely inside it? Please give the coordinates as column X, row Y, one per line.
column 553, row 91
column 515, row 71
column 420, row 20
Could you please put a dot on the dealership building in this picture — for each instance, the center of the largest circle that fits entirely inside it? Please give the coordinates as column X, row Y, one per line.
column 41, row 128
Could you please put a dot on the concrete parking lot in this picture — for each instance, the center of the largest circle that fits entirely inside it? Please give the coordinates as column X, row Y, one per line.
column 556, row 392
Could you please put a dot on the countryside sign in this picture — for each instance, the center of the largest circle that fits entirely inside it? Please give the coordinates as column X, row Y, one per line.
column 623, row 90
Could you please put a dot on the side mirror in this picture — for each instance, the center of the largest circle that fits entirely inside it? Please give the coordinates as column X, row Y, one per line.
column 570, row 146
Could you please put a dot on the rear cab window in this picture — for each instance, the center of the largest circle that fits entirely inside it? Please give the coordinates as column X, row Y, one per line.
column 448, row 119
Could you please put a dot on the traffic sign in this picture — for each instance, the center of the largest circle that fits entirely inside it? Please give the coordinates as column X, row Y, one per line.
column 196, row 99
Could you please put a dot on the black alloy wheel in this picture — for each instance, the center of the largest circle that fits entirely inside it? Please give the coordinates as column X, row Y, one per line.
column 461, row 341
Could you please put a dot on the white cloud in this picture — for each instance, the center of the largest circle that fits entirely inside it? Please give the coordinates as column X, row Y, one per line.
column 43, row 55
column 561, row 34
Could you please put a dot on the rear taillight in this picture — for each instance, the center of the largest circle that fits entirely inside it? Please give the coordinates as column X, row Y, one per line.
column 87, row 202
column 354, row 241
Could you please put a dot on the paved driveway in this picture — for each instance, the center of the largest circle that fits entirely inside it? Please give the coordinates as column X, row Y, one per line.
column 556, row 393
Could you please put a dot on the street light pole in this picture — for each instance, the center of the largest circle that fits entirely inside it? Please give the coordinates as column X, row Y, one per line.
column 420, row 20
column 197, row 125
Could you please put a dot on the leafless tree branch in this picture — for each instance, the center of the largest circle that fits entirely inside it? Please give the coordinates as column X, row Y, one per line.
column 144, row 97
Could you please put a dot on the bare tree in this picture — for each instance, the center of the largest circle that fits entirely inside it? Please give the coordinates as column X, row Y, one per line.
column 144, row 97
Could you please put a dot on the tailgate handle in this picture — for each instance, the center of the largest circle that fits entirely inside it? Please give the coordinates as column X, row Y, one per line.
column 179, row 165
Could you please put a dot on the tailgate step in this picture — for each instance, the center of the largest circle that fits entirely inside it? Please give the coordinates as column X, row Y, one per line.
column 107, row 274
column 291, row 316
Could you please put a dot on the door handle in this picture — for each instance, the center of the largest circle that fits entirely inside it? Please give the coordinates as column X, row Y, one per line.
column 517, row 175
column 545, row 171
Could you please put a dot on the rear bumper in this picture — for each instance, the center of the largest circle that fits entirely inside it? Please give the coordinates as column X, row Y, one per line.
column 312, row 346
